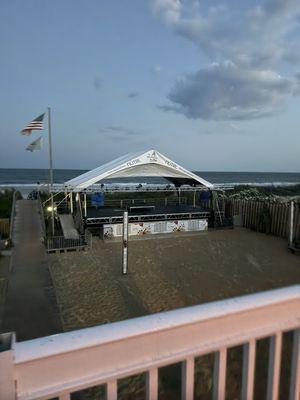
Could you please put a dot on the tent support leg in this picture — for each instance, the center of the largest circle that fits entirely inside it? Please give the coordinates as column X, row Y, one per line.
column 84, row 204
column 71, row 202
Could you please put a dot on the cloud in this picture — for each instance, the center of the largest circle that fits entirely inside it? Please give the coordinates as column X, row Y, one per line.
column 167, row 10
column 252, row 47
column 97, row 83
column 242, row 35
column 119, row 132
column 156, row 69
column 133, row 94
column 226, row 91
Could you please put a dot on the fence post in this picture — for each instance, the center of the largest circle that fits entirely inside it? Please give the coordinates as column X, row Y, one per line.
column 291, row 233
column 7, row 378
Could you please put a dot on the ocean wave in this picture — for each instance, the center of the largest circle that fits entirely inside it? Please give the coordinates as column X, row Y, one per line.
column 144, row 184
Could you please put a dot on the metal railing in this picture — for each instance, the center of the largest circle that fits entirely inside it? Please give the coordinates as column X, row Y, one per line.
column 59, row 365
column 164, row 201
column 41, row 212
column 58, row 243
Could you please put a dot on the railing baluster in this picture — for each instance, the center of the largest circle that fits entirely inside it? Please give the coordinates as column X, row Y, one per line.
column 274, row 366
column 112, row 390
column 187, row 379
column 152, row 384
column 249, row 350
column 295, row 370
column 219, row 383
column 65, row 396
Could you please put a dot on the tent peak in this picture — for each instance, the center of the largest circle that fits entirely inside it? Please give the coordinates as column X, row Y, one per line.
column 147, row 163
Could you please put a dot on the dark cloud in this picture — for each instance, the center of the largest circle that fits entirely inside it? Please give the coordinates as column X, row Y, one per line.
column 133, row 94
column 226, row 91
column 97, row 83
column 116, row 131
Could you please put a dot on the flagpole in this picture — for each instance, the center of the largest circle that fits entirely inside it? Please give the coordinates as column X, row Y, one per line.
column 51, row 169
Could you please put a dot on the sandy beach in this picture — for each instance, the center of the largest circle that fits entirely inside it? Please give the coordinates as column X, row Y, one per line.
column 167, row 272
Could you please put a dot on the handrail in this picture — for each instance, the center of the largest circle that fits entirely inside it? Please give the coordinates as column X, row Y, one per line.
column 42, row 216
column 163, row 321
column 58, row 365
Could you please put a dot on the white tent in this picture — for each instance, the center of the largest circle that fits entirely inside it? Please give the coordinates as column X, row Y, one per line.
column 150, row 163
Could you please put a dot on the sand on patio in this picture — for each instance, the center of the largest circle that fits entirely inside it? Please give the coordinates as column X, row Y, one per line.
column 167, row 272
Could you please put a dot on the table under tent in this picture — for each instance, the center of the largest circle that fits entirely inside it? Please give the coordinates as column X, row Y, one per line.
column 160, row 196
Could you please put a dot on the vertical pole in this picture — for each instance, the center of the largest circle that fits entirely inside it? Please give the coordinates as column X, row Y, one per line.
column 249, row 350
column 187, row 379
column 219, row 380
column 66, row 199
column 71, row 202
column 85, row 205
column 291, row 236
column 152, row 384
column 64, row 396
column 274, row 366
column 295, row 374
column 50, row 169
column 194, row 199
column 112, row 390
column 125, row 242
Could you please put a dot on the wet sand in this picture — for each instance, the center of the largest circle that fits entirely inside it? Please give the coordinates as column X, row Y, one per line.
column 167, row 272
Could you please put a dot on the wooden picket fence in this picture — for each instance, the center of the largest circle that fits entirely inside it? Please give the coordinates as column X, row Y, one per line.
column 4, row 227
column 265, row 216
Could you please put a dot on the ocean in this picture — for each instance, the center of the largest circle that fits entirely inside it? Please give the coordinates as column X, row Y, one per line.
column 28, row 177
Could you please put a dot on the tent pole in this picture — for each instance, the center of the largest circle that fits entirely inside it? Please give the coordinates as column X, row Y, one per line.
column 71, row 202
column 84, row 205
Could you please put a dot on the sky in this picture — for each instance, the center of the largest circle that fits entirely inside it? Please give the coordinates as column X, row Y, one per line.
column 213, row 85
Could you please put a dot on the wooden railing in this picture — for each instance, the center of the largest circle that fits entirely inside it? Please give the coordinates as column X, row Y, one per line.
column 59, row 365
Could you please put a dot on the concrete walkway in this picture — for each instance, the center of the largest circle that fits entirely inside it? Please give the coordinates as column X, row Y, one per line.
column 30, row 306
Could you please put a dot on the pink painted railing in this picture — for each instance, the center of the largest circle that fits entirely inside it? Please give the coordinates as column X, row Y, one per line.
column 58, row 365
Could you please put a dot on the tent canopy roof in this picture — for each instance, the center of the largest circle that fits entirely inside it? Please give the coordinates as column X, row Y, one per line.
column 148, row 163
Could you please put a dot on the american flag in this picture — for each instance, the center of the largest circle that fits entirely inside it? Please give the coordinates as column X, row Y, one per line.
column 34, row 125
